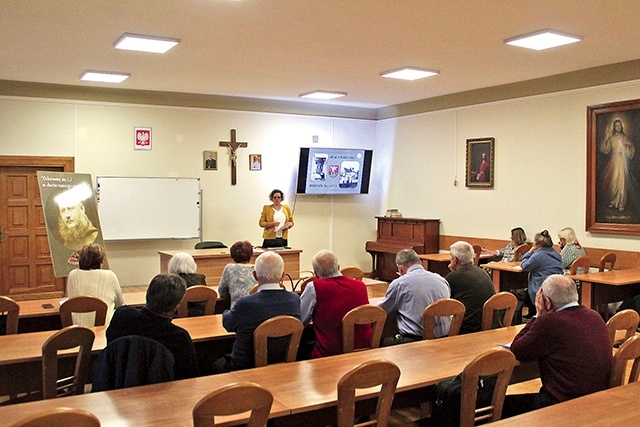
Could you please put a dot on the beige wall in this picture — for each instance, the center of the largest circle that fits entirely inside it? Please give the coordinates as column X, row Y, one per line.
column 540, row 166
column 100, row 137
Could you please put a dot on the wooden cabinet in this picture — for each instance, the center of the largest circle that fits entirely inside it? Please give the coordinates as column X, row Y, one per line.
column 395, row 234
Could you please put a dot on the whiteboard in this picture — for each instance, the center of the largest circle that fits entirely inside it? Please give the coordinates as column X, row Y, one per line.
column 149, row 208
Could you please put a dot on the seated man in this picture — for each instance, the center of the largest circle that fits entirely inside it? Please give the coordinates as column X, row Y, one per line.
column 570, row 343
column 470, row 285
column 251, row 310
column 408, row 296
column 164, row 295
column 327, row 299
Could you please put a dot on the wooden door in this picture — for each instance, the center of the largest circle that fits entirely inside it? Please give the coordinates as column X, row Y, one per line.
column 26, row 269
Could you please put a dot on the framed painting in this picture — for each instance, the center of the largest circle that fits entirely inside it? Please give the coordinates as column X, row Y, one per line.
column 480, row 166
column 613, row 168
column 255, row 162
column 210, row 160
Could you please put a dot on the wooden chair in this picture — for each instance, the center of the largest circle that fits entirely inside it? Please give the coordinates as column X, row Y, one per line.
column 607, row 262
column 83, row 304
column 500, row 301
column 234, row 399
column 442, row 307
column 212, row 244
column 307, row 280
column 498, row 361
column 352, row 272
column 60, row 417
column 583, row 263
column 477, row 251
column 626, row 320
column 256, row 287
column 369, row 374
column 520, row 251
column 363, row 315
column 629, row 350
column 66, row 338
column 11, row 309
column 276, row 327
column 198, row 293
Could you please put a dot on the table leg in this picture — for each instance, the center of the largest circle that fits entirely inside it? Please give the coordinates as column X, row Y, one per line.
column 495, row 276
column 586, row 294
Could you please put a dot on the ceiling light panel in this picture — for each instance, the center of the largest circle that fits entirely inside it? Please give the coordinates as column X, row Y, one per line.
column 323, row 94
column 545, row 39
column 140, row 43
column 104, row 77
column 409, row 73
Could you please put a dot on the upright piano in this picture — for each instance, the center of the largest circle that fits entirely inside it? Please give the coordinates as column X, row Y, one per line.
column 395, row 234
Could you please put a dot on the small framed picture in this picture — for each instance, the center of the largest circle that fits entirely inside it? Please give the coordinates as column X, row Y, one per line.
column 142, row 138
column 480, row 153
column 210, row 160
column 255, row 162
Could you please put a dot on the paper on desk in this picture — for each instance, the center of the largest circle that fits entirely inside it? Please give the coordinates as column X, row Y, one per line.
column 517, row 268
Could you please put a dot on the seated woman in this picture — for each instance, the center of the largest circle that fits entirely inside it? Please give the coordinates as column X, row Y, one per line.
column 237, row 278
column 90, row 280
column 185, row 266
column 541, row 261
column 570, row 249
column 518, row 237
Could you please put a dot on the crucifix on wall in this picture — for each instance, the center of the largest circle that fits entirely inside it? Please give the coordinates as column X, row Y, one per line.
column 233, row 146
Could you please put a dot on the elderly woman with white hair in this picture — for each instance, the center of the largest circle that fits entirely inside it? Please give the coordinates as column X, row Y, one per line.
column 185, row 266
column 570, row 249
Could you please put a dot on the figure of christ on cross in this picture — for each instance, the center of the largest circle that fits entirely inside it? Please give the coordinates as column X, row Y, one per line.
column 233, row 146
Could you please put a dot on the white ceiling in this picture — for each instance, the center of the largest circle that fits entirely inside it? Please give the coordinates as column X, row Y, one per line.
column 278, row 49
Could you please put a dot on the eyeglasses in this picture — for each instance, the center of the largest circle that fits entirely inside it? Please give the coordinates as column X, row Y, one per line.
column 277, row 197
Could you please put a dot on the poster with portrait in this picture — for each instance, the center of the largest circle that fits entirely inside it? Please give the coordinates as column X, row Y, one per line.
column 71, row 216
column 613, row 168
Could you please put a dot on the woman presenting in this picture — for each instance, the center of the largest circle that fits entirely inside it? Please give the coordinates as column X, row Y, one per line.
column 276, row 219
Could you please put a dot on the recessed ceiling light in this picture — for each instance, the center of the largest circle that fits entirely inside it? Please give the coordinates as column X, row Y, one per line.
column 104, row 77
column 323, row 94
column 409, row 73
column 544, row 39
column 145, row 43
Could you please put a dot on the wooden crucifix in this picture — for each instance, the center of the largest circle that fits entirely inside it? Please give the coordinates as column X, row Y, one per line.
column 233, row 146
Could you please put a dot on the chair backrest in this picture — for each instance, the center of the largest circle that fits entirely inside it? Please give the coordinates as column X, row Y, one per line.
column 307, row 280
column 198, row 293
column 583, row 263
column 352, row 272
column 60, row 417
column 256, row 287
column 276, row 327
column 477, row 251
column 443, row 307
column 66, row 338
column 607, row 262
column 83, row 304
column 212, row 244
column 497, row 361
column 500, row 301
column 363, row 315
column 520, row 250
column 11, row 309
column 369, row 374
column 132, row 361
column 626, row 320
column 629, row 350
column 234, row 399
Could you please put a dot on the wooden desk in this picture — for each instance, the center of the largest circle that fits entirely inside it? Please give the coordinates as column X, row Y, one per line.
column 507, row 275
column 616, row 406
column 439, row 263
column 21, row 354
column 166, row 404
column 298, row 388
column 211, row 262
column 608, row 286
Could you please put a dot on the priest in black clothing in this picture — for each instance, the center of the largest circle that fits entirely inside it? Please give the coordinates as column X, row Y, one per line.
column 164, row 295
